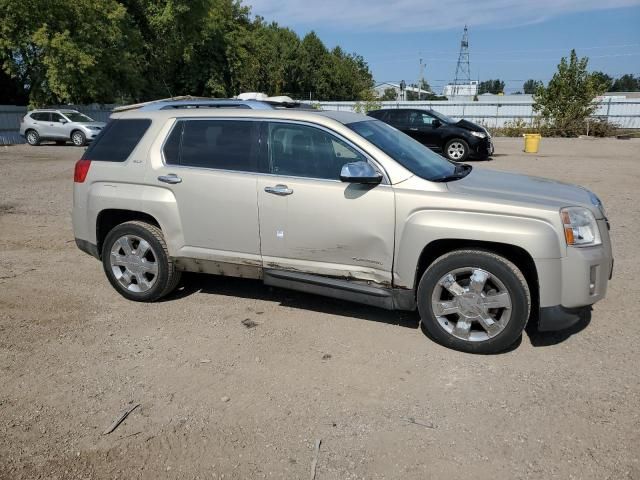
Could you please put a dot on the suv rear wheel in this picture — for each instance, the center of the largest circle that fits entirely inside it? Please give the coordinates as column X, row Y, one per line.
column 474, row 301
column 137, row 263
column 456, row 150
column 33, row 138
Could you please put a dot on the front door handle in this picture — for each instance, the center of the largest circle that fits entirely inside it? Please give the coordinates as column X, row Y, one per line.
column 279, row 190
column 413, row 129
column 172, row 178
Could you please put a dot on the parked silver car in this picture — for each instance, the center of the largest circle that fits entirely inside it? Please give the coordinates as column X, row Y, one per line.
column 60, row 126
column 342, row 205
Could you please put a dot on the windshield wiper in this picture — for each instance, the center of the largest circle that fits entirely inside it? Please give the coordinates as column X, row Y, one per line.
column 461, row 170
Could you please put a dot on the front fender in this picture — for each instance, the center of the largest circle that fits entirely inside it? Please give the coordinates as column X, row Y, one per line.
column 536, row 236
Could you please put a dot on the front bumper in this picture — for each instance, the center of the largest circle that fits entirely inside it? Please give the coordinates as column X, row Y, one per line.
column 482, row 149
column 573, row 283
column 558, row 317
column 90, row 134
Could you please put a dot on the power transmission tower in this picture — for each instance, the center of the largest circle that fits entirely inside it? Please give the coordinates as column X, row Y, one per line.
column 463, row 71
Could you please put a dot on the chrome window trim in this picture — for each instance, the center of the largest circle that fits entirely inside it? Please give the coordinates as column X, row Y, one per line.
column 369, row 158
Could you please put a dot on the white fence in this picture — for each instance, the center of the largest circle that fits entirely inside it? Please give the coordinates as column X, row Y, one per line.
column 624, row 113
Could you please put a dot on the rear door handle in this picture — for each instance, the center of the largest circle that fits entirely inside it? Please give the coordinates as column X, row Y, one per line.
column 279, row 189
column 172, row 178
column 413, row 129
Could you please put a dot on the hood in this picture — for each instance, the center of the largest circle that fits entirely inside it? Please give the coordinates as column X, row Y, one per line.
column 524, row 189
column 467, row 125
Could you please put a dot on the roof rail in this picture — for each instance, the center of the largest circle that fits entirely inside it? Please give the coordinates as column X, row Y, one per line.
column 194, row 102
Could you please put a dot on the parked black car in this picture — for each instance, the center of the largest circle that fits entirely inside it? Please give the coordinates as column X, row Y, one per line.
column 456, row 140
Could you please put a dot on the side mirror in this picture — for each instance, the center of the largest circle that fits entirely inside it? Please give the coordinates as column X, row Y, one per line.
column 436, row 123
column 62, row 120
column 360, row 172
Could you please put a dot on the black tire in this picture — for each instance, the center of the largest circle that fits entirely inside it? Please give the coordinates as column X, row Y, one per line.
column 504, row 270
column 463, row 148
column 167, row 274
column 33, row 137
column 61, row 142
column 78, row 138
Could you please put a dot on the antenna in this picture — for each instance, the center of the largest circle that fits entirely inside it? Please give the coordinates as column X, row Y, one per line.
column 463, row 71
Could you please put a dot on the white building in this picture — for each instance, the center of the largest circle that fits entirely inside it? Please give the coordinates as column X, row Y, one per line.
column 462, row 89
column 381, row 87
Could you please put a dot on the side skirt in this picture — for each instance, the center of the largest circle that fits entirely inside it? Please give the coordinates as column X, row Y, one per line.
column 390, row 299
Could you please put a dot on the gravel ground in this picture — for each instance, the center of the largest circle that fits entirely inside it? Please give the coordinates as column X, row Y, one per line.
column 221, row 400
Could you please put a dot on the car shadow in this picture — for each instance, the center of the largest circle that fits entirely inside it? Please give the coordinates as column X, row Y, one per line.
column 256, row 290
column 193, row 283
column 546, row 339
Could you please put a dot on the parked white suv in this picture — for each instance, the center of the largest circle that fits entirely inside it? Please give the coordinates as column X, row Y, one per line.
column 341, row 205
column 60, row 126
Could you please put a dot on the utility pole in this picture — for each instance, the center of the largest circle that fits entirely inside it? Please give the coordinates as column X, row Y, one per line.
column 421, row 80
column 463, row 71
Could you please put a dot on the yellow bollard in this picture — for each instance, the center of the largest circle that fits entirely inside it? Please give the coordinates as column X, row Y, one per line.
column 531, row 142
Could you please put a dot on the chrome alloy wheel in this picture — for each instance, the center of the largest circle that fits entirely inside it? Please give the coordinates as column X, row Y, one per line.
column 134, row 263
column 77, row 138
column 471, row 304
column 456, row 150
column 32, row 137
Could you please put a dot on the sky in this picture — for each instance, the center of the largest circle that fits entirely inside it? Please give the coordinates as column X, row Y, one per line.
column 508, row 39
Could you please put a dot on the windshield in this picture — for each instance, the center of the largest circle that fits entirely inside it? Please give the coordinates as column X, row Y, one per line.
column 403, row 149
column 77, row 117
column 442, row 117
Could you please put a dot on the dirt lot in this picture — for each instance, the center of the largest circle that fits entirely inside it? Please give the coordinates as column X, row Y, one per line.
column 220, row 400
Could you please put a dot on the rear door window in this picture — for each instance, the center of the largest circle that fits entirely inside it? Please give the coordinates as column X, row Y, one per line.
column 117, row 140
column 40, row 116
column 398, row 117
column 220, row 144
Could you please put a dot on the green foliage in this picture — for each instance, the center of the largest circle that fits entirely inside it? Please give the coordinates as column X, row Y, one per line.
column 57, row 51
column 567, row 101
column 530, row 86
column 491, row 86
column 369, row 101
column 626, row 83
column 389, row 94
column 604, row 81
column 61, row 51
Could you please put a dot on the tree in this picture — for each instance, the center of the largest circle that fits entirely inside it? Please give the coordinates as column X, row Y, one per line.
column 567, row 101
column 62, row 52
column 491, row 86
column 53, row 51
column 389, row 94
column 603, row 79
column 626, row 83
column 530, row 86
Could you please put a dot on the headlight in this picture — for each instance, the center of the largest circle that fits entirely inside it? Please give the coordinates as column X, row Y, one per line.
column 93, row 128
column 580, row 227
column 479, row 134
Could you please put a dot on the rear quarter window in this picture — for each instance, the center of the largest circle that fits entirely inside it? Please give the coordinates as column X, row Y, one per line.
column 117, row 140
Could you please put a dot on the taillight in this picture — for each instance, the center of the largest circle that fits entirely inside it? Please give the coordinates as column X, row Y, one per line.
column 81, row 170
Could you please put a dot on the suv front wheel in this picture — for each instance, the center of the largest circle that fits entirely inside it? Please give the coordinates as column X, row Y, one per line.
column 474, row 301
column 137, row 263
column 456, row 150
column 78, row 138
